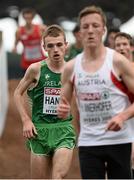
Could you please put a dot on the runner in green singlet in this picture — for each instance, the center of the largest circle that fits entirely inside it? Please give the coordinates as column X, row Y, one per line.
column 50, row 139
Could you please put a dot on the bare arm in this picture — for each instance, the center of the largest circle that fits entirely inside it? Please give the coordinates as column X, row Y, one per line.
column 75, row 114
column 125, row 70
column 42, row 28
column 67, row 91
column 29, row 79
column 17, row 39
column 68, row 96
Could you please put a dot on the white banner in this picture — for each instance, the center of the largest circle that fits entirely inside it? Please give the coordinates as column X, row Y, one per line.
column 3, row 86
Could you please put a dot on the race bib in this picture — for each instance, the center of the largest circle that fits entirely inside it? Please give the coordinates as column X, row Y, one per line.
column 51, row 100
column 96, row 112
column 32, row 53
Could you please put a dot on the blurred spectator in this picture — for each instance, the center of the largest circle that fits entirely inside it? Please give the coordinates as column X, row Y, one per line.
column 110, row 37
column 30, row 35
column 124, row 44
column 75, row 48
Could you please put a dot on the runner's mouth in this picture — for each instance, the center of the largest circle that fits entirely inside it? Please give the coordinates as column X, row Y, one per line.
column 122, row 53
column 56, row 55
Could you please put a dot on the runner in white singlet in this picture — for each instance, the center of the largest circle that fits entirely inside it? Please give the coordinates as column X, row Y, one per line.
column 103, row 81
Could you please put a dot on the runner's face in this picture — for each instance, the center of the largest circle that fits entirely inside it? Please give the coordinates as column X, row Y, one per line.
column 28, row 18
column 92, row 29
column 56, row 47
column 122, row 45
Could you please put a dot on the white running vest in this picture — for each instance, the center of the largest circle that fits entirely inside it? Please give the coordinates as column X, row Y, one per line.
column 98, row 101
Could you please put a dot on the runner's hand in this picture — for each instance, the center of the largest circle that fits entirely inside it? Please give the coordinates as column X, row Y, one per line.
column 63, row 108
column 29, row 129
column 115, row 124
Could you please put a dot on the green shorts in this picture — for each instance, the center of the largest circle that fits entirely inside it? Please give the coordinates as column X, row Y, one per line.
column 52, row 137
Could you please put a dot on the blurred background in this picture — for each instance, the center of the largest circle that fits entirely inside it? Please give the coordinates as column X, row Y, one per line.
column 14, row 157
column 119, row 14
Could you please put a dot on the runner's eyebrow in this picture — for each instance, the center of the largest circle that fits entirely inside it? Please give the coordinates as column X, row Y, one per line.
column 51, row 45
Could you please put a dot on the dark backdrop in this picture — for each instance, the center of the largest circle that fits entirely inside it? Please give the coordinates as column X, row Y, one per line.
column 50, row 10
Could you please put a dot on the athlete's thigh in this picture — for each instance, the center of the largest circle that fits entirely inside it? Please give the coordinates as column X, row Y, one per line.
column 61, row 161
column 92, row 163
column 40, row 166
column 119, row 161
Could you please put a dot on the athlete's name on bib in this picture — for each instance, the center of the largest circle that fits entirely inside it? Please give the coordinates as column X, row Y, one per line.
column 51, row 100
column 52, row 96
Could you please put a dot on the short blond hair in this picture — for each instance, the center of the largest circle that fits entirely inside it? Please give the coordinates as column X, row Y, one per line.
column 92, row 10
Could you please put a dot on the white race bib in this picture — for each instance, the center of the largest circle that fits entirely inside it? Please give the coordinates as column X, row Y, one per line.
column 51, row 100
